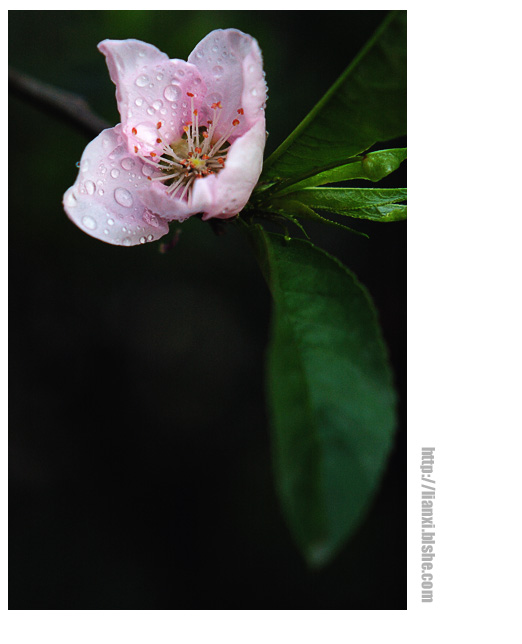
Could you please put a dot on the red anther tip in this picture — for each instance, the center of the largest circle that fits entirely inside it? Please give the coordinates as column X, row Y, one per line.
column 158, row 141
column 185, row 128
column 198, row 150
column 205, row 157
column 134, row 131
column 221, row 161
column 241, row 111
column 205, row 135
column 190, row 94
column 158, row 125
column 149, row 179
column 136, row 149
column 235, row 122
column 152, row 154
column 209, row 122
column 195, row 112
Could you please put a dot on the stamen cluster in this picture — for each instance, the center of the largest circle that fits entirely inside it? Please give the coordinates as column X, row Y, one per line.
column 197, row 154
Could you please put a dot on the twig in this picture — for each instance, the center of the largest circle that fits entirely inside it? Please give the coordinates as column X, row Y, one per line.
column 69, row 107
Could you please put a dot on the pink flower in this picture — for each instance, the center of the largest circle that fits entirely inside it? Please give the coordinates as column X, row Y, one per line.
column 191, row 139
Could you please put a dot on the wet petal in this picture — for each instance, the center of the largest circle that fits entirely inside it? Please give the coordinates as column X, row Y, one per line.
column 231, row 66
column 104, row 200
column 151, row 91
column 225, row 194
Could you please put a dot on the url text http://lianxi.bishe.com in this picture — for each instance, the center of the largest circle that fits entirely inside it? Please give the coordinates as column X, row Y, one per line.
column 428, row 526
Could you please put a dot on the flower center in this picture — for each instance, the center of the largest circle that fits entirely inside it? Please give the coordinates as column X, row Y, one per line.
column 198, row 153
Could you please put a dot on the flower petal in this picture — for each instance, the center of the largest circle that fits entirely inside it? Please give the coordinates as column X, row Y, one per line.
column 151, row 91
column 104, row 200
column 231, row 188
column 231, row 66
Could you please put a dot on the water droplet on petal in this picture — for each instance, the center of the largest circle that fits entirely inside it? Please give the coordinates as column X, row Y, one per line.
column 70, row 200
column 151, row 219
column 115, row 173
column 90, row 187
column 126, row 241
column 150, row 237
column 89, row 222
column 142, row 80
column 172, row 92
column 123, row 197
column 159, row 76
column 139, row 102
column 150, row 111
column 253, row 91
column 218, row 72
column 101, row 192
column 128, row 163
column 110, row 221
column 142, row 240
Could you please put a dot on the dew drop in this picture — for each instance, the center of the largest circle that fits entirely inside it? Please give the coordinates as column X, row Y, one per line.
column 110, row 221
column 85, row 165
column 150, row 237
column 159, row 76
column 126, row 241
column 171, row 92
column 157, row 104
column 142, row 80
column 128, row 163
column 215, row 48
column 142, row 240
column 88, row 222
column 180, row 73
column 150, row 219
column 90, row 187
column 251, row 69
column 139, row 102
column 101, row 192
column 70, row 200
column 123, row 197
column 150, row 111
column 218, row 72
column 115, row 173
column 106, row 232
column 200, row 54
column 253, row 91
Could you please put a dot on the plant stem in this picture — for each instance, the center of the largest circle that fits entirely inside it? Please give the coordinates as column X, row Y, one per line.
column 69, row 107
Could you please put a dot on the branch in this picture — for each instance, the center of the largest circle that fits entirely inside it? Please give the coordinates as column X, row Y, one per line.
column 68, row 107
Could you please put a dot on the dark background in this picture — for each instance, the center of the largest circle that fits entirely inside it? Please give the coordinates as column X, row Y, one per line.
column 140, row 473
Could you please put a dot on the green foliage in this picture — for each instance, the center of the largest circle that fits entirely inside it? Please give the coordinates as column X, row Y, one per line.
column 361, row 203
column 330, row 390
column 373, row 166
column 366, row 105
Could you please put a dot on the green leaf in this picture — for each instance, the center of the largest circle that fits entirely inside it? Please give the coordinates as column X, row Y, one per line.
column 330, row 392
column 362, row 203
column 367, row 104
column 373, row 166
